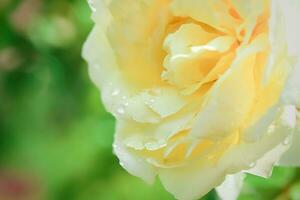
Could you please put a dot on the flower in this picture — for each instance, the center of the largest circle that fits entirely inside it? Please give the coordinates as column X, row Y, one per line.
column 201, row 90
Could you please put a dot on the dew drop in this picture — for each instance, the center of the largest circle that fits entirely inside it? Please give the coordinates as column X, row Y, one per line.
column 125, row 101
column 287, row 140
column 150, row 106
column 271, row 128
column 120, row 111
column 115, row 92
column 150, row 102
column 252, row 165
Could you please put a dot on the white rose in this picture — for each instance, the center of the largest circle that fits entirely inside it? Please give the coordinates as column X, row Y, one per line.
column 201, row 90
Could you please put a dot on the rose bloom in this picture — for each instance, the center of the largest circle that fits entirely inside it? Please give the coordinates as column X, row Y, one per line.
column 202, row 90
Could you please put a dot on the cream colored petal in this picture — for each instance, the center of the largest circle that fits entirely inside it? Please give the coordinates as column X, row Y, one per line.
column 291, row 158
column 261, row 126
column 138, row 48
column 134, row 164
column 191, row 40
column 290, row 12
column 166, row 101
column 154, row 104
column 195, row 179
column 186, row 36
column 251, row 9
column 117, row 94
column 291, row 92
column 222, row 65
column 149, row 136
column 265, row 108
column 278, row 40
column 101, row 14
column 100, row 57
column 190, row 60
column 232, row 95
column 276, row 78
column 214, row 12
column 137, row 41
column 219, row 44
column 181, row 63
column 103, row 69
column 190, row 182
column 231, row 187
column 139, row 111
column 264, row 166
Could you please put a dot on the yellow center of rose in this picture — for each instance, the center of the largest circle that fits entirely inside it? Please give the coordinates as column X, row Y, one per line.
column 198, row 53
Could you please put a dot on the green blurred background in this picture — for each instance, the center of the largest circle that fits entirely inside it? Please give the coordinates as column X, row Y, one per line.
column 55, row 136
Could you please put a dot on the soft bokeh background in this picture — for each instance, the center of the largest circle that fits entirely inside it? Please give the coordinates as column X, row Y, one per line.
column 55, row 136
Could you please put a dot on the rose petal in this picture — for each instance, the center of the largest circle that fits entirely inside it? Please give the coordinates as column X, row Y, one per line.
column 251, row 9
column 166, row 101
column 143, row 135
column 134, row 164
column 291, row 92
column 182, row 63
column 231, row 187
column 290, row 12
column 264, row 166
column 196, row 179
column 204, row 11
column 236, row 105
column 291, row 157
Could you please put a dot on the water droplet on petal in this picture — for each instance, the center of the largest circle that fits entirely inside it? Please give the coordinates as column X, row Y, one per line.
column 149, row 102
column 271, row 128
column 120, row 111
column 115, row 92
column 287, row 140
column 252, row 165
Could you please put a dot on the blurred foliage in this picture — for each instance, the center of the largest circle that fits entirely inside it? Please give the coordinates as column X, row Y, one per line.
column 55, row 136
